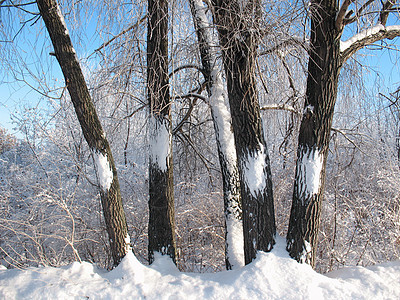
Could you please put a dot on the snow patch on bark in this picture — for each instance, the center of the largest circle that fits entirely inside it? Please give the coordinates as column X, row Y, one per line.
column 128, row 246
column 103, row 170
column 359, row 36
column 309, row 167
column 222, row 117
column 200, row 11
column 60, row 15
column 160, row 140
column 254, row 175
column 306, row 254
column 234, row 240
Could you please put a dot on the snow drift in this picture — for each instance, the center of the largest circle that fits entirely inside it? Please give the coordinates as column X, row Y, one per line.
column 271, row 276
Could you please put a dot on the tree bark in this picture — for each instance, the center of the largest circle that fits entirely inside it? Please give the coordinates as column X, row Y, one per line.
column 234, row 256
column 91, row 127
column 325, row 62
column 237, row 25
column 322, row 82
column 161, row 202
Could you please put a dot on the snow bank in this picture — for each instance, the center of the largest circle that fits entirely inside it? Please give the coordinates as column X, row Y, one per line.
column 271, row 276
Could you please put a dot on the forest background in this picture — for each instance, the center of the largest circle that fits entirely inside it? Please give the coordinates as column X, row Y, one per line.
column 50, row 213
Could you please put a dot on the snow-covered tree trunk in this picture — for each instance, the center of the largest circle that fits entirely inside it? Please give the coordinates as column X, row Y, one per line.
column 238, row 33
column 327, row 55
column 161, row 194
column 104, row 163
column 234, row 252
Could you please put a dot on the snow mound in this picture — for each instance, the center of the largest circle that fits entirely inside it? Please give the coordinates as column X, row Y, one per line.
column 271, row 276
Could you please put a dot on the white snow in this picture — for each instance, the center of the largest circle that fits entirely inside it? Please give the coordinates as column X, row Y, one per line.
column 222, row 116
column 234, row 228
column 128, row 246
column 306, row 252
column 309, row 167
column 254, row 175
column 59, row 13
column 103, row 170
column 272, row 275
column 160, row 141
column 359, row 36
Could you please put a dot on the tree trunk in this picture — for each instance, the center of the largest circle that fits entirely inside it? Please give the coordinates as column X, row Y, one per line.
column 323, row 73
column 92, row 130
column 234, row 256
column 161, row 202
column 238, row 29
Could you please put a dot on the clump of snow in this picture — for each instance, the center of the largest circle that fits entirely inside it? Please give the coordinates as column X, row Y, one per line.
column 103, row 170
column 272, row 275
column 159, row 142
column 309, row 167
column 254, row 166
column 234, row 240
column 359, row 36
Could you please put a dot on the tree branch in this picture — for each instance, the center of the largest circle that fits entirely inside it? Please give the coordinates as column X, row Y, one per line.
column 383, row 16
column 280, row 107
column 341, row 14
column 289, row 42
column 121, row 33
column 367, row 37
column 189, row 66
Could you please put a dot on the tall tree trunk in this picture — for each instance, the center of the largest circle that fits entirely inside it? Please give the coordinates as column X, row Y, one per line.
column 322, row 82
column 161, row 201
column 237, row 25
column 92, row 130
column 234, row 252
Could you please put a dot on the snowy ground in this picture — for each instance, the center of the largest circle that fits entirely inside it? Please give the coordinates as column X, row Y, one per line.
column 271, row 276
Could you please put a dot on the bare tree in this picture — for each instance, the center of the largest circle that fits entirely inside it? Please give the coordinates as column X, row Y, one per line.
column 161, row 201
column 327, row 56
column 238, row 27
column 105, row 167
column 224, row 135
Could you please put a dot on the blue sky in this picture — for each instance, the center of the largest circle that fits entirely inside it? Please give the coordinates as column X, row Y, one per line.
column 34, row 48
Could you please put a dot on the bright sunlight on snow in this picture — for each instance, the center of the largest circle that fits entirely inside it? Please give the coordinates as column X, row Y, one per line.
column 271, row 276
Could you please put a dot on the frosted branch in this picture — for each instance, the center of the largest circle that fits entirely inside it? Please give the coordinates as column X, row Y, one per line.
column 367, row 37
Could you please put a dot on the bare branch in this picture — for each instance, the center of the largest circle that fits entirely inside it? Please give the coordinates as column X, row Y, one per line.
column 289, row 42
column 348, row 20
column 189, row 66
column 383, row 16
column 134, row 26
column 341, row 14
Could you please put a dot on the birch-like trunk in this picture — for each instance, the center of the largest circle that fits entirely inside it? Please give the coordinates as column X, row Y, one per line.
column 234, row 252
column 161, row 194
column 92, row 130
column 238, row 34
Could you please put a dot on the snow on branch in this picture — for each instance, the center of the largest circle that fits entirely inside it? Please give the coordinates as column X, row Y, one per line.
column 279, row 107
column 367, row 37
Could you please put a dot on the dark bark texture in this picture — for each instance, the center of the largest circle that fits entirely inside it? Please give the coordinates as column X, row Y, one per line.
column 323, row 73
column 110, row 198
column 238, row 28
column 161, row 202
